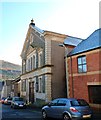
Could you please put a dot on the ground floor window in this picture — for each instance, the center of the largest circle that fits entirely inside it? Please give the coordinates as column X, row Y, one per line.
column 40, row 84
column 23, row 85
column 94, row 94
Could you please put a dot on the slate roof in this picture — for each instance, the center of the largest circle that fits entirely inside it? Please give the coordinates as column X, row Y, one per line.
column 36, row 28
column 92, row 42
column 72, row 41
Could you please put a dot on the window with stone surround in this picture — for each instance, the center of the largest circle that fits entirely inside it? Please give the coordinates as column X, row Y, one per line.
column 40, row 58
column 40, row 85
column 28, row 64
column 31, row 62
column 82, row 65
column 23, row 66
column 34, row 61
column 37, row 85
column 23, row 85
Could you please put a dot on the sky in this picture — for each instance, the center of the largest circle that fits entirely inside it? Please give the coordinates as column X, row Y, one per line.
column 77, row 18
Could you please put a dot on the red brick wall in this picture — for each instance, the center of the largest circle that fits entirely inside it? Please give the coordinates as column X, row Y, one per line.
column 93, row 61
column 78, row 81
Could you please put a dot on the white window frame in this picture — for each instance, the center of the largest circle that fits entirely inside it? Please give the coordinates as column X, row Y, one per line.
column 82, row 64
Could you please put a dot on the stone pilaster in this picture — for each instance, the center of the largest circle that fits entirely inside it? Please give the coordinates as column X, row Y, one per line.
column 48, row 87
column 48, row 52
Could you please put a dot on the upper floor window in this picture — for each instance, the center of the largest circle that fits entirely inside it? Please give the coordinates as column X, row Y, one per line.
column 28, row 64
column 82, row 65
column 31, row 63
column 23, row 66
column 34, row 61
column 40, row 59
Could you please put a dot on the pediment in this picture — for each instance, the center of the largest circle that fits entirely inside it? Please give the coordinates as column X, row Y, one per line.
column 33, row 40
column 38, row 42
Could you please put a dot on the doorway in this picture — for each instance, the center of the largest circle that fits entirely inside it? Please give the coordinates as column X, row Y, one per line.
column 31, row 92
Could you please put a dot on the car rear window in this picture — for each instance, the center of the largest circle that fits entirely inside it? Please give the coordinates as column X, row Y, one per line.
column 79, row 102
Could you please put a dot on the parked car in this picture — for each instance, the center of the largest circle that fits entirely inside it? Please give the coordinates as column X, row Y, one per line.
column 8, row 100
column 18, row 102
column 2, row 100
column 67, row 109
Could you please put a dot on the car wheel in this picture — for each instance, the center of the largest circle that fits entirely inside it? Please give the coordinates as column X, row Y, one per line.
column 66, row 117
column 44, row 115
column 13, row 106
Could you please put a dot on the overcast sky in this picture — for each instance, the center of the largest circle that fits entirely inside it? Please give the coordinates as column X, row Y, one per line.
column 77, row 18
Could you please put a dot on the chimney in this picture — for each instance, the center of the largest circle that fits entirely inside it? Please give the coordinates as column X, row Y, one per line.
column 32, row 22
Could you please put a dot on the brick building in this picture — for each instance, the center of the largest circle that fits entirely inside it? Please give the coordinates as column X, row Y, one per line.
column 84, row 69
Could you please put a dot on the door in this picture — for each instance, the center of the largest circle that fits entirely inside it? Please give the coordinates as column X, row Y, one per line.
column 31, row 92
column 51, row 111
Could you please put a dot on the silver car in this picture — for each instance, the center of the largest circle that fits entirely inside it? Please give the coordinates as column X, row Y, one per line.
column 18, row 102
column 67, row 109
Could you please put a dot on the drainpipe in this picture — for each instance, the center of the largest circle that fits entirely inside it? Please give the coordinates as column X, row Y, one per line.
column 67, row 75
column 72, row 77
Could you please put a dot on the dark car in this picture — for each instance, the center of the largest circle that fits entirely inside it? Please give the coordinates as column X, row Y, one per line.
column 67, row 109
column 18, row 102
column 8, row 100
column 2, row 100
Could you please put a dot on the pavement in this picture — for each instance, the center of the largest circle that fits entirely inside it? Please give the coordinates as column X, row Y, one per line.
column 97, row 115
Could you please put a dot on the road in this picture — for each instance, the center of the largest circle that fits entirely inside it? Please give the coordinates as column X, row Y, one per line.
column 8, row 113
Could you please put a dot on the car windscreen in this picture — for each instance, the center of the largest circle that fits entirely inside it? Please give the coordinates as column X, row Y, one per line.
column 18, row 99
column 9, row 98
column 79, row 102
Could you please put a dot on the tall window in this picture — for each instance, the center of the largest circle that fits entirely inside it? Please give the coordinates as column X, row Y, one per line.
column 37, row 84
column 82, row 65
column 23, row 85
column 23, row 66
column 34, row 61
column 40, row 59
column 40, row 85
column 31, row 63
column 28, row 64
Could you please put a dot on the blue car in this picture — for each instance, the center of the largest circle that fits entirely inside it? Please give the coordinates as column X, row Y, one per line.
column 67, row 109
column 18, row 102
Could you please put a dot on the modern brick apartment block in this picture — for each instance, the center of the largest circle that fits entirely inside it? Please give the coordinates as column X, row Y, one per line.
column 84, row 68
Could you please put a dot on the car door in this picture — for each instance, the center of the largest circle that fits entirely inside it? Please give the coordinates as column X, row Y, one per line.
column 51, row 111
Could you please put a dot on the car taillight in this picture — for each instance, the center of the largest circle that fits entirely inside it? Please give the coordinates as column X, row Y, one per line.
column 73, row 109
